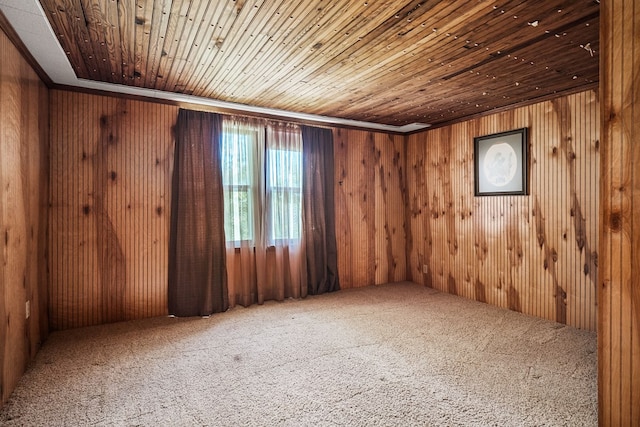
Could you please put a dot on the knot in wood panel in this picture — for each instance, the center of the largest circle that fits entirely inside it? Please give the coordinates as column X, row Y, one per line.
column 615, row 221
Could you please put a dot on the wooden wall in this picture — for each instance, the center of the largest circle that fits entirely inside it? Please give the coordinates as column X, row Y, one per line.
column 370, row 192
column 23, row 214
column 619, row 295
column 534, row 254
column 111, row 164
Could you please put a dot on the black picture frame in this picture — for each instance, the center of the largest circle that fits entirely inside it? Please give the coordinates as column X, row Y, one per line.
column 501, row 165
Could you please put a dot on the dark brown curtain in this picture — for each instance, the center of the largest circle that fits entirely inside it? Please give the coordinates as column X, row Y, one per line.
column 197, row 272
column 319, row 225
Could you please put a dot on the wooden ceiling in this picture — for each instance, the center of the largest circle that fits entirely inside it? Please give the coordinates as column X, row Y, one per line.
column 393, row 62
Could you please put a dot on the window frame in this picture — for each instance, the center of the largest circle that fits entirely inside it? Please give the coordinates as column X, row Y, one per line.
column 251, row 135
column 285, row 189
column 260, row 192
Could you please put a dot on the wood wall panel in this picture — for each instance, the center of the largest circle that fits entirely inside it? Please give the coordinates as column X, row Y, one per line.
column 619, row 290
column 23, row 214
column 111, row 164
column 535, row 254
column 370, row 218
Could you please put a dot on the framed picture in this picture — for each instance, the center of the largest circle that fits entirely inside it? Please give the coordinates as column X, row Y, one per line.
column 500, row 163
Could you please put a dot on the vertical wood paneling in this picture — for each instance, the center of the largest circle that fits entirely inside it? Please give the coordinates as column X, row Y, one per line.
column 111, row 162
column 23, row 214
column 111, row 165
column 534, row 254
column 370, row 198
column 619, row 282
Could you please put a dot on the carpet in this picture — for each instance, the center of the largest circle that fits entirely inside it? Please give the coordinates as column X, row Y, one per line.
column 392, row 355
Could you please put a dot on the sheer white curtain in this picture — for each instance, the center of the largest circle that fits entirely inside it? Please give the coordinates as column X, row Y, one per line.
column 285, row 261
column 242, row 155
column 262, row 178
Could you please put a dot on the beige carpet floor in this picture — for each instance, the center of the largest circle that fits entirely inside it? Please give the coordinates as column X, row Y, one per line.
column 392, row 355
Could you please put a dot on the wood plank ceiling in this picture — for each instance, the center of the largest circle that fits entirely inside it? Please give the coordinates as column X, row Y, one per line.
column 393, row 62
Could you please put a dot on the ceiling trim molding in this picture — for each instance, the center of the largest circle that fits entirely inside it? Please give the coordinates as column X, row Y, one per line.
column 13, row 36
column 189, row 105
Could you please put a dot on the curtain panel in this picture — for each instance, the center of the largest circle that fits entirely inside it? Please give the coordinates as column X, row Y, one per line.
column 319, row 227
column 242, row 157
column 262, row 176
column 197, row 272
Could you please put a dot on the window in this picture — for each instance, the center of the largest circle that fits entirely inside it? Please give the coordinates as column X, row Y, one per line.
column 262, row 179
column 238, row 152
column 284, row 194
